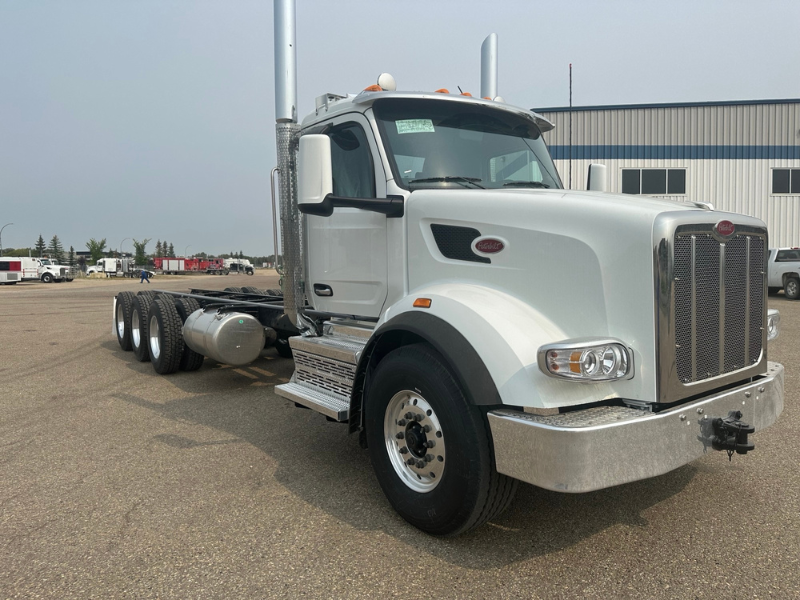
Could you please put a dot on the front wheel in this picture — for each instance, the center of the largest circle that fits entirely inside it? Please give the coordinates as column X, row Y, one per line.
column 792, row 288
column 47, row 278
column 430, row 449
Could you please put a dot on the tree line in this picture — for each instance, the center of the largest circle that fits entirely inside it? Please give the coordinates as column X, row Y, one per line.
column 99, row 249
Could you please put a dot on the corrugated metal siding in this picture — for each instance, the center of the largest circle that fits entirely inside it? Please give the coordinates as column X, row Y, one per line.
column 712, row 142
column 748, row 125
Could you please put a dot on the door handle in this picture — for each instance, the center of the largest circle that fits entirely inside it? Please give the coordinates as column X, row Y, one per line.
column 320, row 289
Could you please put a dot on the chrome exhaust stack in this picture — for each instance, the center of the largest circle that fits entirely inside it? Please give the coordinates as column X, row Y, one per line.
column 287, row 131
column 489, row 67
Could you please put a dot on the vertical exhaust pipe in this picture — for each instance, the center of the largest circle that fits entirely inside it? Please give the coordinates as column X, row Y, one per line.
column 286, row 130
column 489, row 67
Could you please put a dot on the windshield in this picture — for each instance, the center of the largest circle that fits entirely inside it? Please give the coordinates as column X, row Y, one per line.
column 435, row 143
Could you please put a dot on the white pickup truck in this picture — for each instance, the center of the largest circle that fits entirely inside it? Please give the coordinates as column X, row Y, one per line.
column 783, row 271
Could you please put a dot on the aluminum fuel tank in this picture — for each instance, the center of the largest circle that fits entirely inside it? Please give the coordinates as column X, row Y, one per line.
column 232, row 338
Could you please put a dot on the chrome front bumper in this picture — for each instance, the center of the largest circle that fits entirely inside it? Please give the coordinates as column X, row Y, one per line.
column 605, row 446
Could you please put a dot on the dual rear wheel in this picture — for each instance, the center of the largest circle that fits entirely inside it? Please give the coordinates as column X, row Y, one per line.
column 152, row 326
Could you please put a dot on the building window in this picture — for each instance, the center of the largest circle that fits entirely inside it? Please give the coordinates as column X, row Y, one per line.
column 654, row 182
column 786, row 181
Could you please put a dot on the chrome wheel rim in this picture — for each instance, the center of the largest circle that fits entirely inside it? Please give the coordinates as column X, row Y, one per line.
column 136, row 333
column 791, row 287
column 153, row 331
column 120, row 320
column 414, row 441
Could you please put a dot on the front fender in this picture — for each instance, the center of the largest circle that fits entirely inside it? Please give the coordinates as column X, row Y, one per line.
column 502, row 332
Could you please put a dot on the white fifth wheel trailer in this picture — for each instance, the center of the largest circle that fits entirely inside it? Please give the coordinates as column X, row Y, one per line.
column 472, row 321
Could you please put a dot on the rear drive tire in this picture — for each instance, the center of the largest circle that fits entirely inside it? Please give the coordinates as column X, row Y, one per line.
column 164, row 335
column 274, row 292
column 190, row 360
column 122, row 319
column 251, row 290
column 283, row 348
column 792, row 288
column 233, row 290
column 139, row 322
column 430, row 449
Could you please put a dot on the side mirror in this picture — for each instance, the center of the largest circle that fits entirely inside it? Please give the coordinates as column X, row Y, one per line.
column 314, row 172
column 597, row 181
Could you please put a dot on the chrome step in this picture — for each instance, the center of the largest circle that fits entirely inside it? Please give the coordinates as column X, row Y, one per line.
column 339, row 348
column 324, row 371
column 353, row 329
column 330, row 405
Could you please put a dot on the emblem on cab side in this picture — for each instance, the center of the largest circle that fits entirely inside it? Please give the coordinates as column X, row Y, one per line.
column 488, row 245
column 724, row 228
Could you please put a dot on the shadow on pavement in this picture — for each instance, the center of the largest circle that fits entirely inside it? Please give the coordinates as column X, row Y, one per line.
column 322, row 465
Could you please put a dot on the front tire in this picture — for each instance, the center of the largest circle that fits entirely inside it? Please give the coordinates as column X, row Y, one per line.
column 792, row 288
column 430, row 449
column 47, row 278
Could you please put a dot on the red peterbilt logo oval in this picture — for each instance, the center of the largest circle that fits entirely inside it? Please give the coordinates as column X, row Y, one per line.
column 724, row 228
column 489, row 246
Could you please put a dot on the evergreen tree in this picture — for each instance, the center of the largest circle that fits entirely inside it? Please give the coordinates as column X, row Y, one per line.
column 159, row 251
column 141, row 254
column 96, row 248
column 71, row 257
column 56, row 250
column 171, row 250
column 40, row 246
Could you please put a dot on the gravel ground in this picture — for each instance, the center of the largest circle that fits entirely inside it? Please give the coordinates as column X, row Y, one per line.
column 120, row 483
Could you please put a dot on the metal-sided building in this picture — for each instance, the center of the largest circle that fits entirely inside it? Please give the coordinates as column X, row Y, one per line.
column 742, row 157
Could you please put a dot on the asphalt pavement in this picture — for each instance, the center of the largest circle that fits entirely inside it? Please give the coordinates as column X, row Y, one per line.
column 116, row 482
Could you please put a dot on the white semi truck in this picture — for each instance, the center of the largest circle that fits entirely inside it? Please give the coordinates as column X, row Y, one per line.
column 46, row 270
column 475, row 323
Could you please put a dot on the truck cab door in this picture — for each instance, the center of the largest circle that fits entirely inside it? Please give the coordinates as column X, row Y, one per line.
column 346, row 253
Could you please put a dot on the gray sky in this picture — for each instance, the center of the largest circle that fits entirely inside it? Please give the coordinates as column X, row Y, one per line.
column 155, row 119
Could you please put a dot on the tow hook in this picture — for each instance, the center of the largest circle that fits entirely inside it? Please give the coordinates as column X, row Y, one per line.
column 729, row 434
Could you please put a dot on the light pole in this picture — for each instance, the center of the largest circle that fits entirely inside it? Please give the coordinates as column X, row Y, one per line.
column 186, row 250
column 1, row 237
column 120, row 246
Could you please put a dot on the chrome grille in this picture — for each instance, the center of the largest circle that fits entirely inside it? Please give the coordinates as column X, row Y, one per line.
column 718, row 304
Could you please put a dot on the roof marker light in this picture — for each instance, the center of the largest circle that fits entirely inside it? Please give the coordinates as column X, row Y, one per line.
column 387, row 82
column 442, row 91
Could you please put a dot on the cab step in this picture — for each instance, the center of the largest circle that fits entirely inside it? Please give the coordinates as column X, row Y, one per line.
column 325, row 368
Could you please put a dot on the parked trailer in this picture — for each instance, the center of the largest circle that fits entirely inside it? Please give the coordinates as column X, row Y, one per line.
column 471, row 320
column 10, row 271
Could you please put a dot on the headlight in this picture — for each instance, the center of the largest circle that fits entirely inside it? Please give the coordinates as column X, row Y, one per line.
column 773, row 323
column 587, row 360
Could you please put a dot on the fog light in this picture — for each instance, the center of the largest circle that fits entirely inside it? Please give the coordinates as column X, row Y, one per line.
column 587, row 360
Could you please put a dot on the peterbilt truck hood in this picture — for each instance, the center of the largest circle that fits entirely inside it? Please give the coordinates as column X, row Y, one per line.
column 583, row 260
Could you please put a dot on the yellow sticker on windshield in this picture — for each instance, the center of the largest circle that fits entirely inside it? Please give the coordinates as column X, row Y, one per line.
column 415, row 126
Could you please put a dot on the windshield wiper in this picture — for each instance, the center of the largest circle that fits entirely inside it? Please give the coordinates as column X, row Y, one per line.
column 536, row 184
column 465, row 181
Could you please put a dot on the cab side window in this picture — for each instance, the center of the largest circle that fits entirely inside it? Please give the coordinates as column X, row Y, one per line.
column 788, row 256
column 351, row 158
